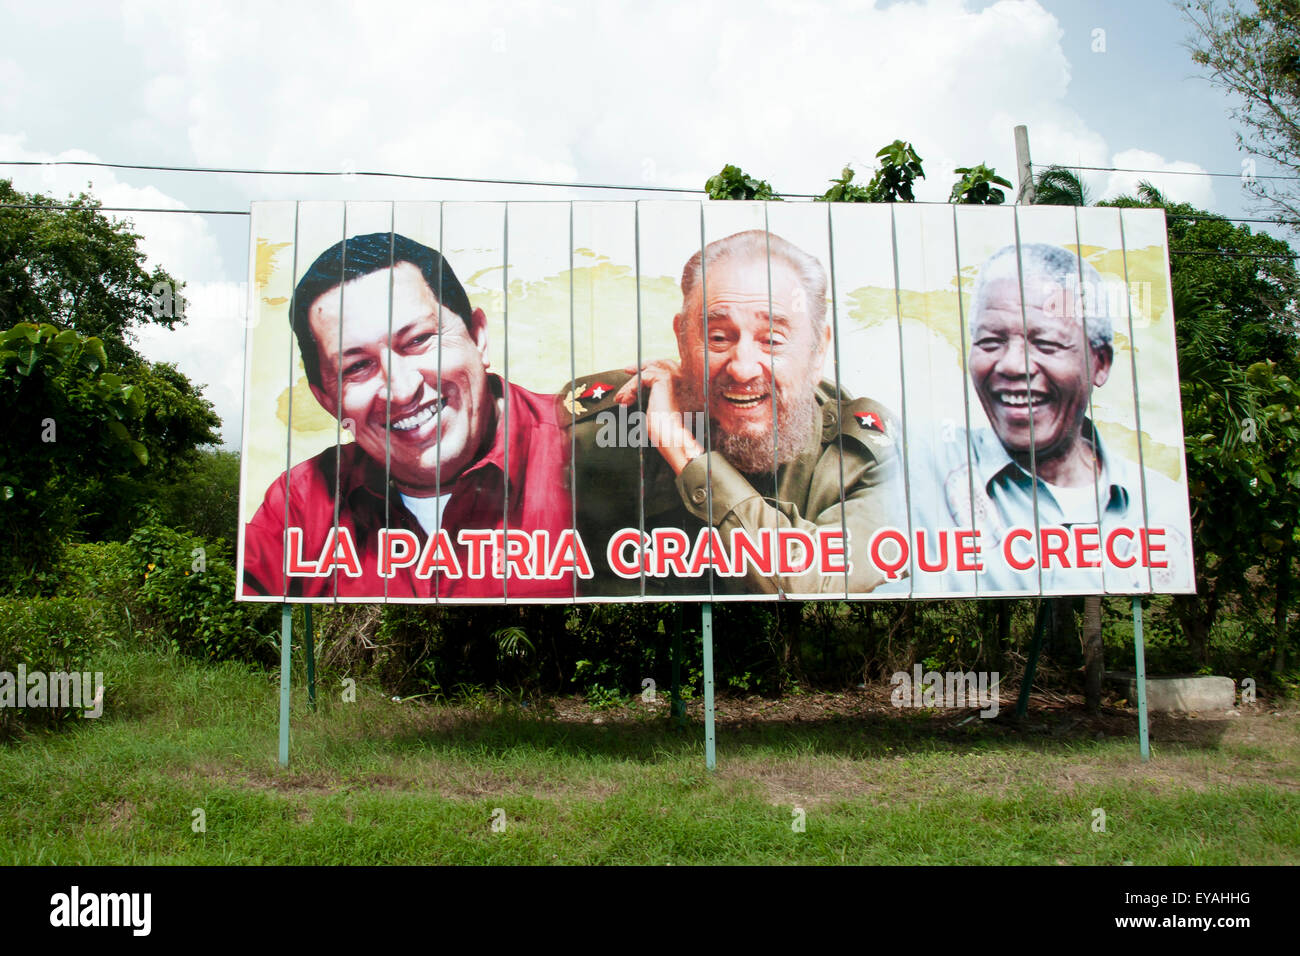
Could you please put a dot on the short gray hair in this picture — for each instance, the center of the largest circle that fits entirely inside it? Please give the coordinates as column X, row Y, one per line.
column 1059, row 267
column 755, row 243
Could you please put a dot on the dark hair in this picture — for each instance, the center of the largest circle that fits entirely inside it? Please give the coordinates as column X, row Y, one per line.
column 359, row 256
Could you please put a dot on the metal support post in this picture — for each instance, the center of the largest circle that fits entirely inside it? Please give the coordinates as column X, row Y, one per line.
column 1031, row 666
column 710, row 751
column 310, row 647
column 677, row 708
column 286, row 644
column 1139, row 652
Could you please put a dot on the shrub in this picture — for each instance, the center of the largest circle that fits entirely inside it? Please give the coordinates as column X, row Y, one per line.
column 186, row 593
column 105, row 573
column 48, row 635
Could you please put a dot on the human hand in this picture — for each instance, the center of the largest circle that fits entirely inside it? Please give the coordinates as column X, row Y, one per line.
column 651, row 372
column 664, row 423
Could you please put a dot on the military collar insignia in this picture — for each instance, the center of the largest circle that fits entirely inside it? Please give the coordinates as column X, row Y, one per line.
column 870, row 420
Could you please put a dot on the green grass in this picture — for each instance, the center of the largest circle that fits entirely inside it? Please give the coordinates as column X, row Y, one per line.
column 379, row 782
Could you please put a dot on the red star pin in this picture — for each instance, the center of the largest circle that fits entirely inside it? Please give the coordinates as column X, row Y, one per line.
column 870, row 420
column 596, row 391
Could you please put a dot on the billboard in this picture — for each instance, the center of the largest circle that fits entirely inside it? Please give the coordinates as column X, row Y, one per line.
column 465, row 402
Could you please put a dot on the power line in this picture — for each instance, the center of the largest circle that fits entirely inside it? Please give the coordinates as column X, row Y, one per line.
column 428, row 177
column 191, row 212
column 1215, row 215
column 243, row 212
column 232, row 171
column 1235, row 255
column 240, row 212
column 1157, row 172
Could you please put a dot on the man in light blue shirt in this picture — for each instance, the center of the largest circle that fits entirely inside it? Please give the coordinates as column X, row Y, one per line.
column 1103, row 523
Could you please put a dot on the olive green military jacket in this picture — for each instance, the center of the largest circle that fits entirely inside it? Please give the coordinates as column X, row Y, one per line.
column 857, row 447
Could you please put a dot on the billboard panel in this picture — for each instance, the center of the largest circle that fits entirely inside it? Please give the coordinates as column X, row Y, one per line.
column 607, row 401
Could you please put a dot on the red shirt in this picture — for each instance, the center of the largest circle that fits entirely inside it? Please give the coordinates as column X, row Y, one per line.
column 538, row 501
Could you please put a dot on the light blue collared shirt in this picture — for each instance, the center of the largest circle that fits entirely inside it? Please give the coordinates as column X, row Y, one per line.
column 992, row 494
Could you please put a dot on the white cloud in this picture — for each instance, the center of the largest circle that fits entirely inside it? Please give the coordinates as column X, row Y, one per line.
column 183, row 245
column 209, row 347
column 1197, row 190
column 604, row 91
column 11, row 82
column 588, row 91
column 204, row 348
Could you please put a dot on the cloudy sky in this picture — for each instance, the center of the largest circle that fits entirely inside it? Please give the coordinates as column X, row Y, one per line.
column 593, row 92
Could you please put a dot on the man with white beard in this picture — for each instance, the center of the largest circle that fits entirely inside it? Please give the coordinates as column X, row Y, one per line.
column 787, row 450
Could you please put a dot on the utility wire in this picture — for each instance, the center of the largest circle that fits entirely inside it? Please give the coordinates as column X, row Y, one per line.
column 191, row 212
column 523, row 182
column 425, row 177
column 1215, row 215
column 239, row 212
column 231, row 171
column 1156, row 172
column 244, row 212
column 1235, row 255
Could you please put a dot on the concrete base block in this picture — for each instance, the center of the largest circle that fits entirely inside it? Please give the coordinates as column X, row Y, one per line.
column 1180, row 693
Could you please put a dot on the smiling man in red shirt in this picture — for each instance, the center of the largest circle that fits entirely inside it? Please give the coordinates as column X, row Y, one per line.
column 449, row 465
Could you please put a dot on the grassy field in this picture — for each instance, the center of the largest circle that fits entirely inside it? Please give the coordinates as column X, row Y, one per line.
column 382, row 782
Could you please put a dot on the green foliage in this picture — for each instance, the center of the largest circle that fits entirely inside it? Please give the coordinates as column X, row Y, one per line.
column 202, row 495
column 175, row 420
column 843, row 190
column 1238, row 331
column 977, row 185
column 186, row 597
column 64, row 422
column 1254, row 54
column 102, row 572
column 733, row 183
column 900, row 167
column 598, row 696
column 78, row 270
column 56, row 634
column 48, row 634
column 73, row 291
column 512, row 643
column 1059, row 186
column 611, row 648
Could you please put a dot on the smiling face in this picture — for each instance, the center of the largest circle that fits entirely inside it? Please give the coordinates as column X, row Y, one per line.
column 1046, row 378
column 436, row 423
column 760, row 350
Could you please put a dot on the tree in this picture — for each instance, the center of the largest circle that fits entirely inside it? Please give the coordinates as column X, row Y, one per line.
column 203, row 496
column 900, row 167
column 1236, row 307
column 62, row 418
column 977, row 185
column 1058, row 186
column 76, row 269
column 73, row 284
column 1255, row 55
column 733, row 183
column 843, row 190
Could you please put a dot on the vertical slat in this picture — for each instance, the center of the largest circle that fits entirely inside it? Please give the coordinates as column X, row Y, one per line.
column 1139, row 653
column 710, row 750
column 286, row 642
